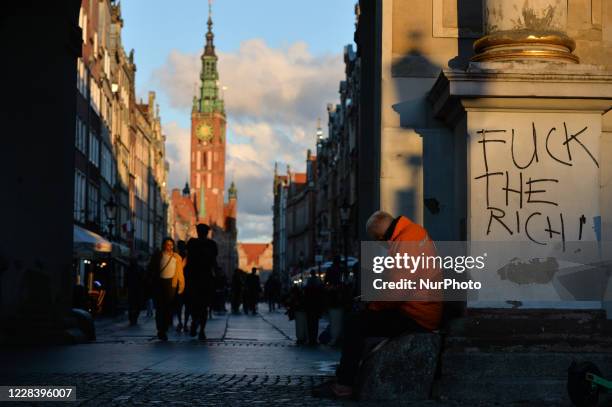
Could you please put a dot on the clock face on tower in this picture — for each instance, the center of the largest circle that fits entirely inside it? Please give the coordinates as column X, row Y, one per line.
column 204, row 132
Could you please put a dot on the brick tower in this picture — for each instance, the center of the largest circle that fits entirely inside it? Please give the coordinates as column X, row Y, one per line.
column 208, row 125
column 208, row 139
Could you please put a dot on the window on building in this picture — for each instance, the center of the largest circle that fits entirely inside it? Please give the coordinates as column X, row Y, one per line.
column 106, row 167
column 80, row 136
column 82, row 77
column 94, row 149
column 145, row 184
column 84, row 26
column 79, row 196
column 124, row 220
column 113, row 180
column 96, row 94
column 93, row 203
column 151, row 188
column 138, row 185
column 84, row 135
column 138, row 228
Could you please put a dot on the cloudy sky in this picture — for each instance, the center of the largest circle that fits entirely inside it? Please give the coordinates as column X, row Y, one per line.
column 280, row 60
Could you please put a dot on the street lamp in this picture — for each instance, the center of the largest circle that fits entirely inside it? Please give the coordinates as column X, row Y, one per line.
column 110, row 209
column 345, row 217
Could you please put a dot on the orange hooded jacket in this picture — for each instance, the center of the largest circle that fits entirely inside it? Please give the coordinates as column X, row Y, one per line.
column 426, row 313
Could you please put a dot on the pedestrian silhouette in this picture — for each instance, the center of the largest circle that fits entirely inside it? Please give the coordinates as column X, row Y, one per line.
column 166, row 273
column 136, row 287
column 272, row 291
column 201, row 263
column 237, row 288
column 314, row 299
column 253, row 288
column 181, row 302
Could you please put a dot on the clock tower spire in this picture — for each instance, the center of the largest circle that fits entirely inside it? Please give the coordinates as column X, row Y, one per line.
column 208, row 124
column 208, row 99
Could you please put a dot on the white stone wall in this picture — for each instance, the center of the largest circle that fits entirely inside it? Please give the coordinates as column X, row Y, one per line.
column 542, row 158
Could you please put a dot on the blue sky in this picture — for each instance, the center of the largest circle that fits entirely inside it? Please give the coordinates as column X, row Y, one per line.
column 281, row 61
column 155, row 27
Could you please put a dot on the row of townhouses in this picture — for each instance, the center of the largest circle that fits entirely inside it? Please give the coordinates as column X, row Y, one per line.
column 120, row 199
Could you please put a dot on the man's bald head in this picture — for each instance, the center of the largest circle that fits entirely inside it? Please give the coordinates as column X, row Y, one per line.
column 377, row 224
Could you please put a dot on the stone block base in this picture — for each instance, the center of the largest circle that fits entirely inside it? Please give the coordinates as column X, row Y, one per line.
column 402, row 368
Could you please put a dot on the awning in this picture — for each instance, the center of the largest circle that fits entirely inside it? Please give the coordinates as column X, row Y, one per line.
column 87, row 243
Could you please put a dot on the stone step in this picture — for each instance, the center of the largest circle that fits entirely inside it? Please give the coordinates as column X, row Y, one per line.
column 498, row 323
column 495, row 366
column 545, row 341
column 520, row 356
column 509, row 392
column 516, row 391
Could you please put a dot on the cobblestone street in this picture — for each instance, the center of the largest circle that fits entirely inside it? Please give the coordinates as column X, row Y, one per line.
column 247, row 360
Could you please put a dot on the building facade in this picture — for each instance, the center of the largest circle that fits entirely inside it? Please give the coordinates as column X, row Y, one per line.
column 255, row 255
column 300, row 217
column 404, row 47
column 441, row 75
column 337, row 168
column 279, row 225
column 120, row 164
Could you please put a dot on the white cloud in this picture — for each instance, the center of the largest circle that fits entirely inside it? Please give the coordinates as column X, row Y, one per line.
column 273, row 99
column 255, row 228
column 178, row 146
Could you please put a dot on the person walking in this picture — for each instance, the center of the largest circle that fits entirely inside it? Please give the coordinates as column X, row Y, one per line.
column 181, row 299
column 237, row 280
column 136, row 290
column 268, row 293
column 313, row 301
column 201, row 263
column 272, row 291
column 253, row 288
column 166, row 274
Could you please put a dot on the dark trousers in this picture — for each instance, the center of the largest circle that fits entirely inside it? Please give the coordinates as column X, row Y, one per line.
column 199, row 308
column 236, row 303
column 312, row 323
column 179, row 303
column 135, row 303
column 164, row 304
column 251, row 303
column 360, row 325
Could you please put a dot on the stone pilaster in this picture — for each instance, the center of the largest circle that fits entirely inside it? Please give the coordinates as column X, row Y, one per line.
column 525, row 30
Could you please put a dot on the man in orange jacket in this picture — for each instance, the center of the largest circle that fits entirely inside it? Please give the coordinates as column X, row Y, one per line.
column 384, row 318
